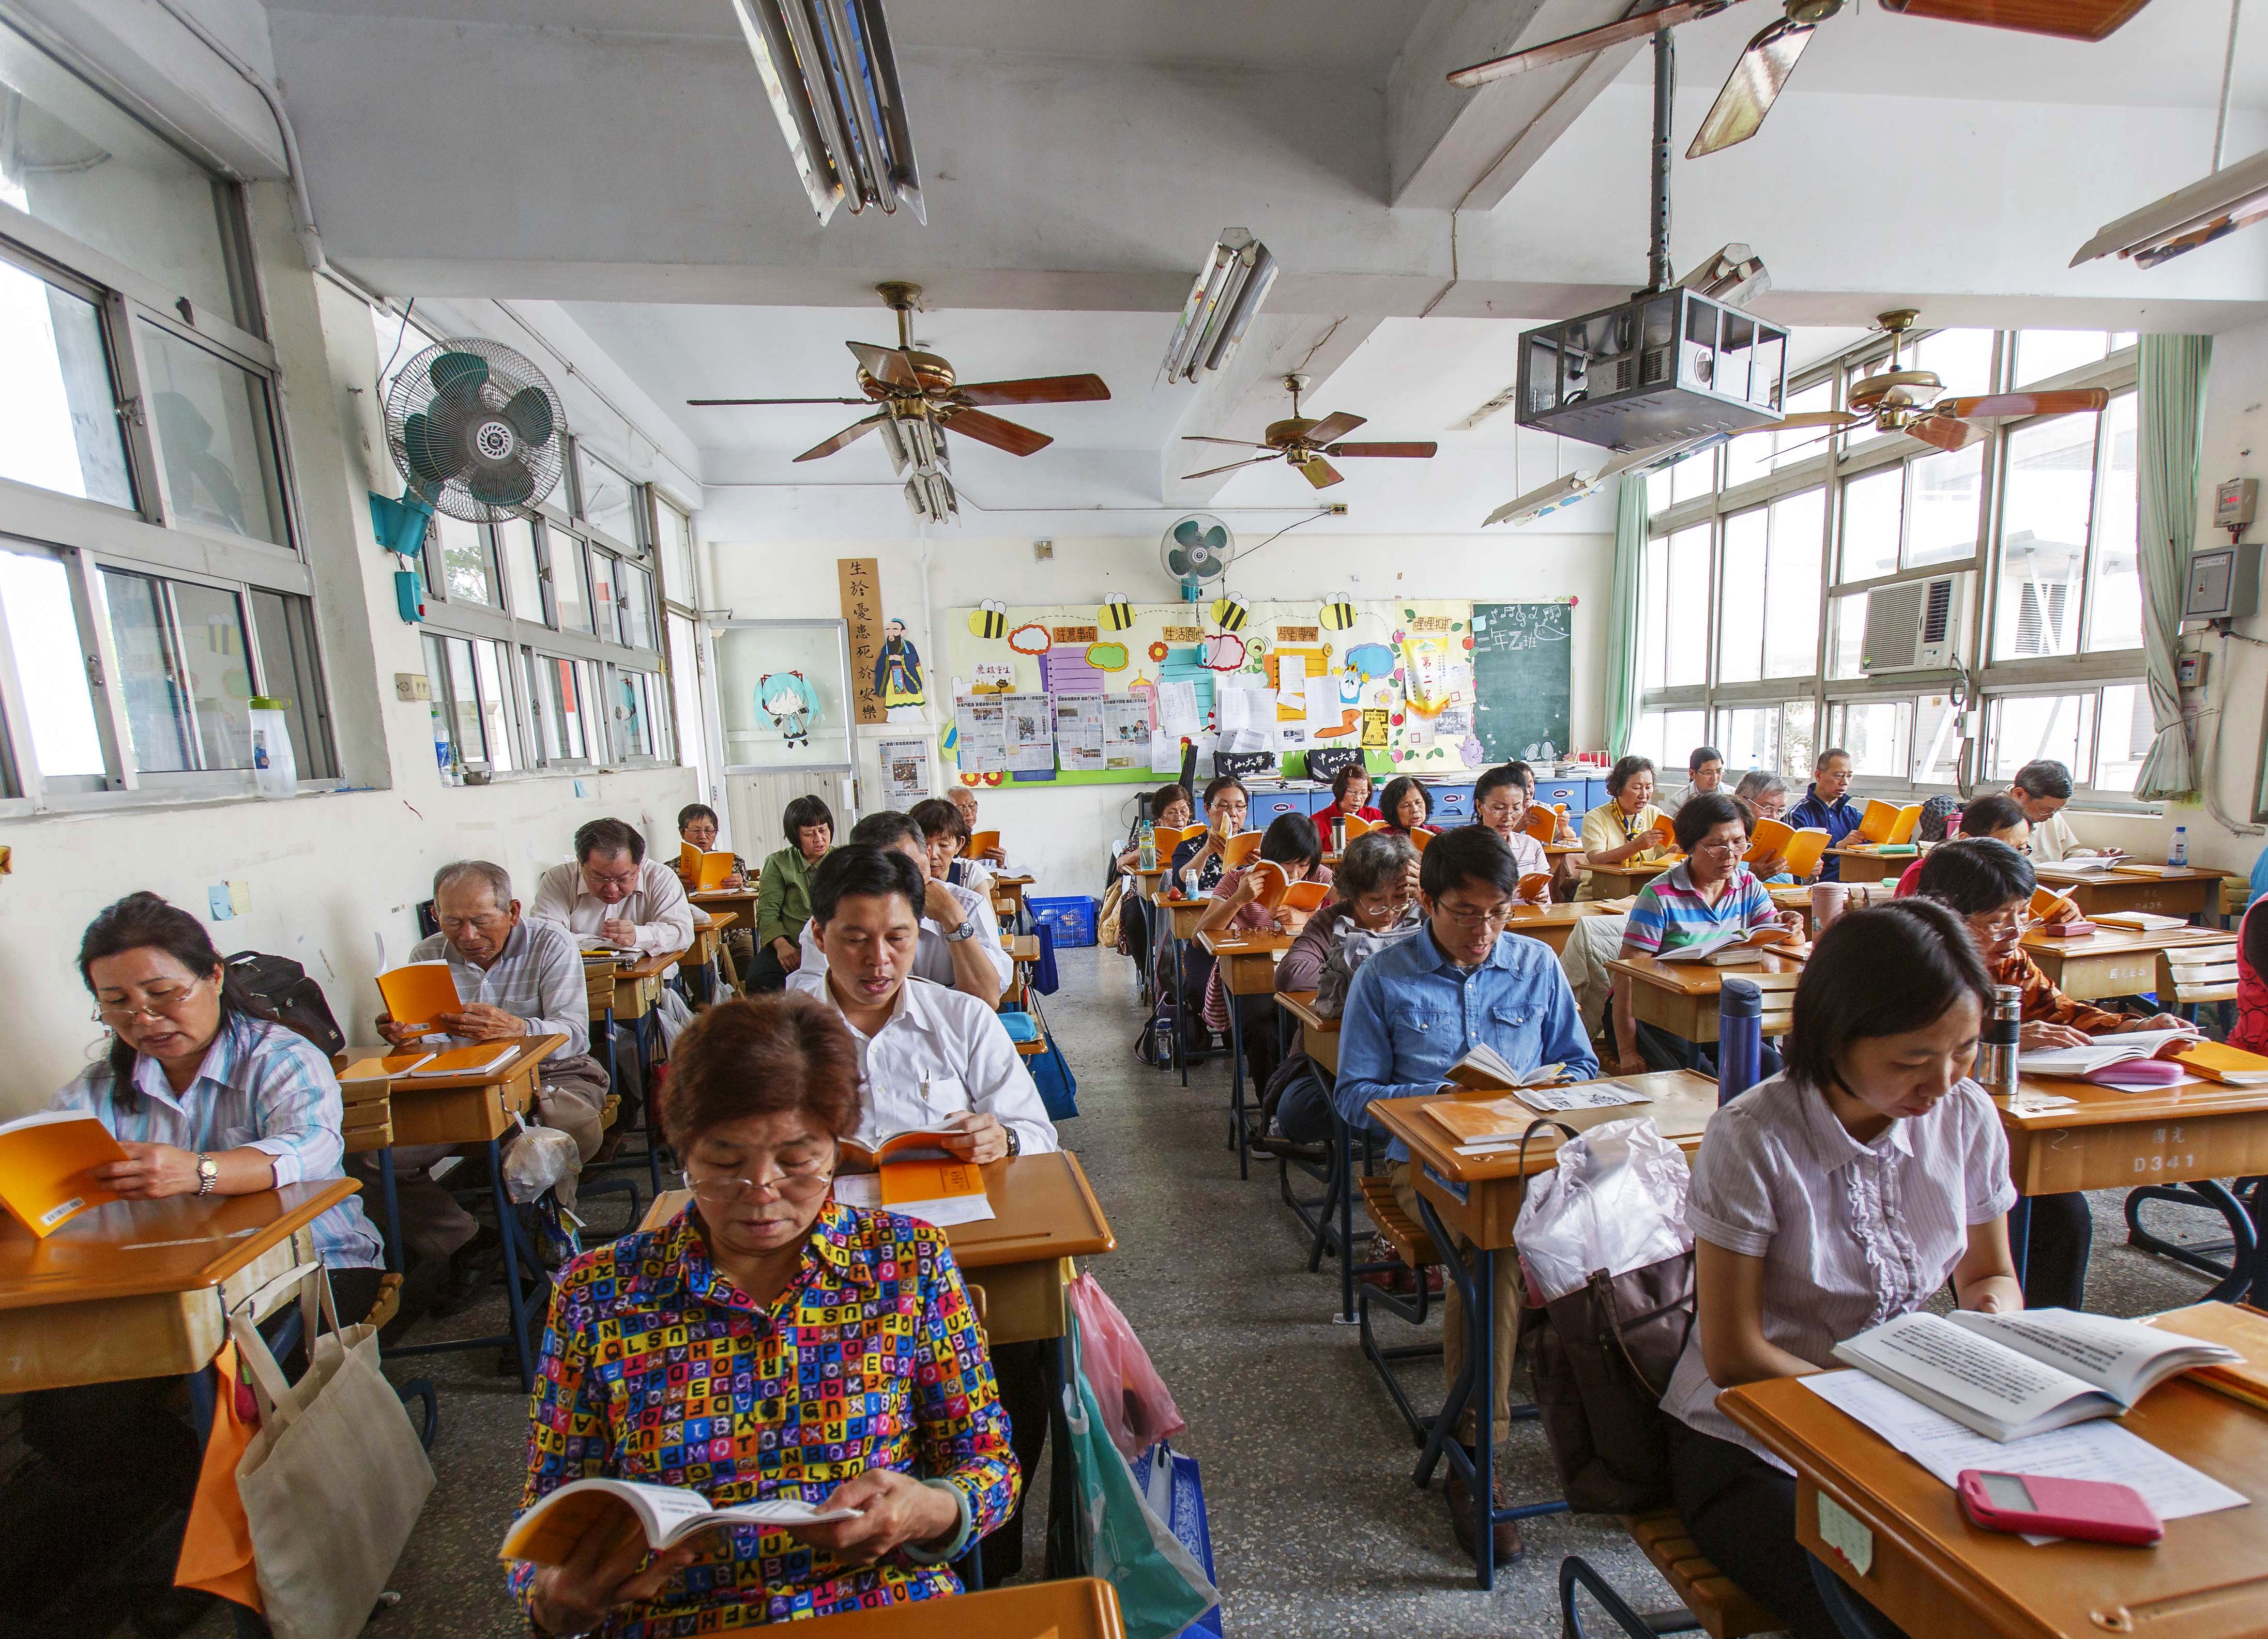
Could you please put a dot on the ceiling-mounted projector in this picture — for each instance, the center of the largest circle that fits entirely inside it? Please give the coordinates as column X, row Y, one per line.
column 1663, row 367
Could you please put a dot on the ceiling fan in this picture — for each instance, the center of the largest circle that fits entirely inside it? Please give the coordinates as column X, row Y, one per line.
column 917, row 396
column 1763, row 67
column 1305, row 443
column 1905, row 400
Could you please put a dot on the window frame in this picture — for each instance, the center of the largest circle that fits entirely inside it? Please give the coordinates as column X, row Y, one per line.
column 1977, row 681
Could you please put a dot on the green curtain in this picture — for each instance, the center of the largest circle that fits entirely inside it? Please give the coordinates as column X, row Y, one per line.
column 2172, row 389
column 1622, row 616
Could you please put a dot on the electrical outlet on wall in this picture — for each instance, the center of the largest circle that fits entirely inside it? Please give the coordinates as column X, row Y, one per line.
column 1042, row 550
column 412, row 686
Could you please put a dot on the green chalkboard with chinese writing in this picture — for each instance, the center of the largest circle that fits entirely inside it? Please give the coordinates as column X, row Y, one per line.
column 1523, row 666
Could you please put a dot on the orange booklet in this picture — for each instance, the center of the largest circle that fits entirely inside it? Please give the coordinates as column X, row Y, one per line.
column 983, row 843
column 1533, row 885
column 1239, row 848
column 1356, row 825
column 1799, row 851
column 907, row 1182
column 914, row 1143
column 1888, row 822
column 703, row 871
column 384, row 1069
column 1171, row 837
column 2239, row 1326
column 46, row 1167
column 417, row 995
column 1269, row 884
column 1666, row 828
column 2058, row 914
column 1542, row 823
column 477, row 1059
column 2216, row 1061
column 1306, row 896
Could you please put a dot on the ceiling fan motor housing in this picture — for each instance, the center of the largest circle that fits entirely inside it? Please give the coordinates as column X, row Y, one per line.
column 1663, row 367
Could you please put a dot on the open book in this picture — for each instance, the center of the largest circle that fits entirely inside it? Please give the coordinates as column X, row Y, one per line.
column 1533, row 887
column 46, row 1167
column 1484, row 1069
column 383, row 1068
column 702, row 870
column 1888, row 822
column 2239, row 1326
column 2008, row 1376
column 1237, row 849
column 1802, row 851
column 416, row 995
column 2216, row 1061
column 910, row 1143
column 2131, row 868
column 2139, row 921
column 666, row 1516
column 1723, row 950
column 2100, row 1054
column 1276, row 891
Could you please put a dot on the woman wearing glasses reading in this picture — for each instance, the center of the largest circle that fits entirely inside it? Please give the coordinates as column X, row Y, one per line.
column 767, row 1343
column 209, row 1095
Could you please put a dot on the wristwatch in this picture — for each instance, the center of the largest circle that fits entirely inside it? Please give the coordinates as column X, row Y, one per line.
column 966, row 930
column 208, row 1173
column 1015, row 1142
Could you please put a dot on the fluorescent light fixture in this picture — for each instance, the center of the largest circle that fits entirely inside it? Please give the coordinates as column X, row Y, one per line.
column 895, row 442
column 833, row 83
column 1229, row 289
column 2232, row 197
column 930, row 496
column 1734, row 276
column 1581, row 486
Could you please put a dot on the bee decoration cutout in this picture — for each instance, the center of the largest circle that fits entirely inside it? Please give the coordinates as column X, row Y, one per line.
column 1231, row 613
column 1337, row 613
column 988, row 620
column 1115, row 614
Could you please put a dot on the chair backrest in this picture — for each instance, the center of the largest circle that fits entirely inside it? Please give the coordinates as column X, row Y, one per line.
column 599, row 986
column 1780, row 999
column 2199, row 973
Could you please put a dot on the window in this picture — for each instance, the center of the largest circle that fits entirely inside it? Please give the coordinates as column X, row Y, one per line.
column 467, row 574
column 608, row 500
column 634, row 599
column 140, row 446
column 1668, row 737
column 570, row 593
column 473, row 715
column 558, row 704
column 1759, row 573
column 605, row 599
column 523, row 570
column 676, row 529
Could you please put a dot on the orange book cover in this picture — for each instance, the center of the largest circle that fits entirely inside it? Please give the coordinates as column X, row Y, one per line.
column 712, row 872
column 377, row 1068
column 46, row 1164
column 477, row 1059
column 2216, row 1061
column 1306, row 895
column 1878, row 821
column 417, row 995
column 1269, row 884
column 930, row 1180
column 1768, row 841
column 1171, row 836
column 2239, row 1326
column 1356, row 825
column 1239, row 848
column 1666, row 828
column 1804, row 851
column 1542, row 824
column 983, row 843
column 1534, row 885
column 1902, row 828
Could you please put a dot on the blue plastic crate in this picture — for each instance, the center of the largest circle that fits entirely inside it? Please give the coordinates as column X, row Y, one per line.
column 1072, row 918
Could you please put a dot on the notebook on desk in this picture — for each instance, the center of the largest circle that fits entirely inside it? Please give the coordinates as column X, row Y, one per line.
column 478, row 1059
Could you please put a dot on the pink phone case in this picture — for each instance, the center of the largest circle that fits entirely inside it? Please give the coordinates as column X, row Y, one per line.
column 2094, row 1510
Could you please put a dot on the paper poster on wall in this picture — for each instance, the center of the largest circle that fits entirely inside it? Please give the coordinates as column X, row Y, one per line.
column 1177, row 709
column 980, row 733
column 1078, row 732
column 905, row 770
column 1125, row 732
column 1376, row 720
column 1028, row 734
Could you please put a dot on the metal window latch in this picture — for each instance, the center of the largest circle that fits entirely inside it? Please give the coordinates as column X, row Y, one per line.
column 94, row 671
column 130, row 410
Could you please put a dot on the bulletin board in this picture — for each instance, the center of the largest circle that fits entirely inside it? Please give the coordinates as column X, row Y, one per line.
column 1395, row 678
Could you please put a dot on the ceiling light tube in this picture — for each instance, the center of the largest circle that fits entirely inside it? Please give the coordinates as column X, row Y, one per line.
column 832, row 80
column 1227, row 291
column 2230, row 198
column 895, row 442
column 1236, row 313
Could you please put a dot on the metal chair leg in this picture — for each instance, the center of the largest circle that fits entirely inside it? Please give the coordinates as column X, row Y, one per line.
column 1576, row 1572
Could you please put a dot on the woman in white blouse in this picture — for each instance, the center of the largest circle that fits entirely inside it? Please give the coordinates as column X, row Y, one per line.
column 1840, row 1195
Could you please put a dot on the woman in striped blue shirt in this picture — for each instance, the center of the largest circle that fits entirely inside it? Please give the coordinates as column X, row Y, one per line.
column 208, row 1095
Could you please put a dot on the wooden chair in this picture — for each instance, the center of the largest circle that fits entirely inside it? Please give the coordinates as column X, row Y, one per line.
column 1780, row 998
column 1713, row 1603
column 2197, row 976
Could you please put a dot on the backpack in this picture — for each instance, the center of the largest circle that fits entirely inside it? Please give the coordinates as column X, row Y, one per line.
column 280, row 986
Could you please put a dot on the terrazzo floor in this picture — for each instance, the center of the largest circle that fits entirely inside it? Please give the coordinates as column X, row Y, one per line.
column 1316, row 1526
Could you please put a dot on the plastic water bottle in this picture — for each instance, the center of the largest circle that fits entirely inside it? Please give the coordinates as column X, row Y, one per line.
column 2177, row 851
column 275, row 770
column 1146, row 840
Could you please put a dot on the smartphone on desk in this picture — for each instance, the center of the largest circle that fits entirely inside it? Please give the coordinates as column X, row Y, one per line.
column 2041, row 1505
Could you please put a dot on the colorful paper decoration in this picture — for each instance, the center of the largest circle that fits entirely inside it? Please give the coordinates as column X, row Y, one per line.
column 989, row 619
column 1031, row 638
column 1115, row 614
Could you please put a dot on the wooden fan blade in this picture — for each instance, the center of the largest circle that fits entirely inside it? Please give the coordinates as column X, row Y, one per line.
column 1582, row 45
column 1321, row 472
column 2067, row 19
column 850, row 434
column 1331, row 429
column 1811, row 418
column 1001, row 435
column 885, row 364
column 709, row 402
column 1751, row 88
column 1240, row 444
column 1037, row 390
column 2067, row 402
column 1231, row 467
column 1945, row 432
column 1414, row 451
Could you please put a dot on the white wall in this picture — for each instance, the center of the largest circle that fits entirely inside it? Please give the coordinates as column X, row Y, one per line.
column 1059, row 834
column 332, row 879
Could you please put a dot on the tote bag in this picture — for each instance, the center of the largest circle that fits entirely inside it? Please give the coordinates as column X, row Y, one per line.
column 216, row 1547
column 335, row 1477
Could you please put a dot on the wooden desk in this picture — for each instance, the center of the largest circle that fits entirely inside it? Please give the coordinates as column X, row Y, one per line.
column 2191, row 891
column 1934, row 1573
column 1080, row 1607
column 142, row 1289
column 1181, row 915
column 1863, row 862
column 1319, row 1037
column 1247, row 963
column 742, row 901
column 1478, row 1197
column 1012, row 889
column 1613, row 882
column 1047, row 1216
column 1681, row 998
column 1553, row 922
column 637, row 985
column 1021, row 947
column 2114, row 962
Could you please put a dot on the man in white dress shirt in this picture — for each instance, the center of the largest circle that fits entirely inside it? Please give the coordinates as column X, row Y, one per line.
column 2042, row 789
column 929, row 1056
column 613, row 892
column 960, row 937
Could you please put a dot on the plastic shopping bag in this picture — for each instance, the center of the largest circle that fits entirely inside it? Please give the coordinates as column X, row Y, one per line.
column 1161, row 1587
column 1614, row 1202
column 216, row 1547
column 1171, row 1487
column 1136, row 1409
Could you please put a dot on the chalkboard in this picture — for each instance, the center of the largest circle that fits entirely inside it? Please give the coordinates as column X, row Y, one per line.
column 1523, row 661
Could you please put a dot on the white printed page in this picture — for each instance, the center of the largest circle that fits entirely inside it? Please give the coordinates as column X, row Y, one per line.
column 2114, row 1355
column 2085, row 1451
column 1934, row 1354
column 778, row 1510
column 1603, row 1095
column 665, row 1508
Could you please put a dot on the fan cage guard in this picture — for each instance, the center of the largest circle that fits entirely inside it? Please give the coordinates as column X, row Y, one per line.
column 493, row 450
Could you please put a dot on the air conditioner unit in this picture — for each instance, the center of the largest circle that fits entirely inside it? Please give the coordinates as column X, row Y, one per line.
column 1914, row 626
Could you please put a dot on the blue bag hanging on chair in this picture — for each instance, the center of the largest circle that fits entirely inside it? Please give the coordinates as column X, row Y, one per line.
column 1058, row 1087
column 1161, row 1587
column 1043, row 971
column 1169, row 1483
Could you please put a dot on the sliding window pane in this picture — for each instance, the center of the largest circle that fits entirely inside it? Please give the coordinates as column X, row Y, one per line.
column 2027, row 727
column 1846, row 634
column 630, row 736
column 1792, row 584
column 1871, row 508
column 605, row 604
column 218, row 447
column 290, row 672
column 1686, row 630
column 35, row 598
column 1875, row 732
column 2124, row 735
column 1741, row 629
column 1937, row 741
column 2114, row 599
column 1750, row 739
column 1652, row 612
column 676, row 555
column 449, row 751
column 1797, row 736
column 217, row 661
column 1693, row 477
column 1751, row 455
column 59, row 426
column 1948, row 490
column 635, row 602
column 464, row 702
column 498, row 719
column 523, row 571
column 1962, row 359
column 570, row 593
column 609, row 498
column 2043, row 537
column 558, row 708
column 597, row 745
column 467, row 574
column 2041, row 354
column 157, row 717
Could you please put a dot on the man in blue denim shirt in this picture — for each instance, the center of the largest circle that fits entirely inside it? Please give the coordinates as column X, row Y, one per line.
column 1416, row 1009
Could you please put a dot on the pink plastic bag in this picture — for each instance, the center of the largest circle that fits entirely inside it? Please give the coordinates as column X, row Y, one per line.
column 1136, row 1410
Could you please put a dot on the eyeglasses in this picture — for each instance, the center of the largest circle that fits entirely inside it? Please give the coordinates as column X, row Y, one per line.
column 156, row 1004
column 790, row 1183
column 486, row 922
column 1737, row 845
column 1495, row 918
